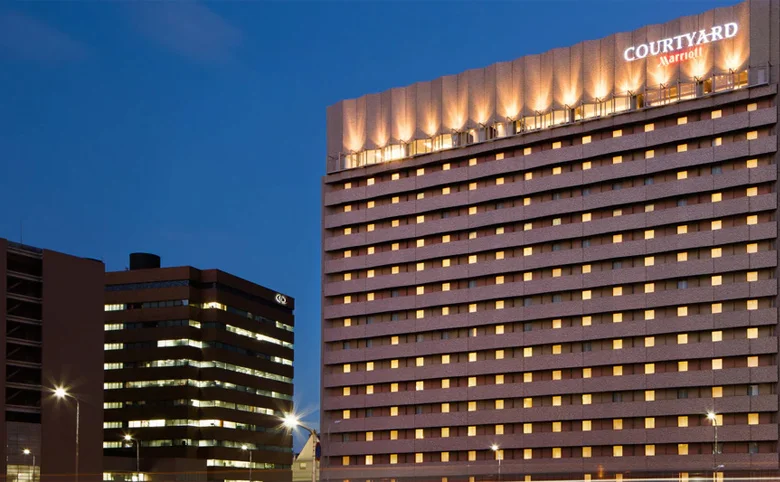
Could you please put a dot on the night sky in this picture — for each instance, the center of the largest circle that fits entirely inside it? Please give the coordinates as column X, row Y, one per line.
column 196, row 131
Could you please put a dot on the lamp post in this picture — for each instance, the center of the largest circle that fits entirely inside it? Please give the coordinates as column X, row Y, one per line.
column 494, row 448
column 246, row 448
column 291, row 421
column 28, row 452
column 61, row 393
column 129, row 438
column 713, row 417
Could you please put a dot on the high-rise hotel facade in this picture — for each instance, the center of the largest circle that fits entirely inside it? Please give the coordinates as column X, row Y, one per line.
column 557, row 266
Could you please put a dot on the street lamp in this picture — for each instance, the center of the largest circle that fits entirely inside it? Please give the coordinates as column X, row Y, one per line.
column 28, row 452
column 129, row 438
column 291, row 421
column 246, row 448
column 62, row 394
column 494, row 448
column 713, row 417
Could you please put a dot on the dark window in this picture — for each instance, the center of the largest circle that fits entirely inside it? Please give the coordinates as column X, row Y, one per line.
column 369, row 320
column 345, row 437
column 445, row 214
column 445, row 335
column 556, row 299
column 528, row 326
column 585, row 192
column 716, row 170
column 527, row 302
column 682, row 393
column 586, row 243
column 649, row 181
column 420, row 338
column 556, row 196
column 472, row 283
column 369, row 412
column 617, row 397
column 394, row 294
column 556, row 246
column 369, row 343
column 753, row 447
column 394, row 317
column 682, row 202
column 617, row 186
column 587, row 346
column 617, row 264
column 752, row 390
column 418, row 410
column 499, row 205
column 345, row 345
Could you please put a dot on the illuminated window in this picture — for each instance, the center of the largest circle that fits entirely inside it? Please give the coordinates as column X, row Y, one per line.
column 472, row 186
column 649, row 260
column 717, row 363
column 649, row 127
column 682, row 421
column 649, row 154
column 751, row 276
column 682, row 366
column 445, row 408
column 649, row 314
column 445, row 263
column 528, row 377
column 682, row 148
column 617, row 133
column 717, row 280
column 369, row 460
column 528, row 352
column 557, row 375
column 617, row 317
column 682, row 120
column 587, row 425
column 445, row 166
column 586, row 320
column 526, row 201
column 717, row 307
column 499, row 280
column 617, row 344
column 500, row 304
column 649, row 395
column 347, row 368
column 586, row 268
column 418, row 458
column 394, row 364
column 586, row 217
column 472, row 406
column 369, row 366
column 752, row 220
column 752, row 361
column 395, row 200
column 499, row 429
column 528, row 428
column 528, row 454
column 395, row 223
column 528, row 276
column 752, row 163
column 500, row 230
column 682, row 311
column 682, row 175
column 617, row 371
column 345, row 414
column 473, row 161
column 345, row 460
column 617, row 451
column 370, row 250
column 420, row 219
column 716, row 225
column 716, row 114
column 347, row 253
column 649, row 234
column 587, row 398
column 718, row 141
column 445, row 432
column 418, row 434
column 419, row 361
column 472, row 356
column 682, row 449
column 369, row 389
column 717, row 336
column 682, row 339
column 617, row 291
column 649, row 208
column 752, row 135
column 528, row 402
column 556, row 222
column 473, row 308
column 500, row 378
column 617, row 424
column 499, row 181
column 586, row 165
column 717, row 392
column 752, row 304
column 752, row 333
column 649, row 368
column 586, row 294
column 586, row 139
column 587, row 372
column 617, row 238
column 528, row 251
column 752, row 248
column 556, row 323
column 445, row 456
column 556, row 401
column 752, row 419
column 556, row 145
column 393, row 411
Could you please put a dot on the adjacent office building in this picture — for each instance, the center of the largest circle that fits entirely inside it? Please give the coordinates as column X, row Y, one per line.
column 51, row 319
column 557, row 266
column 198, row 372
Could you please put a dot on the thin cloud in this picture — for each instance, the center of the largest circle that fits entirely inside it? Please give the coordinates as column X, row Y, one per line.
column 189, row 29
column 27, row 38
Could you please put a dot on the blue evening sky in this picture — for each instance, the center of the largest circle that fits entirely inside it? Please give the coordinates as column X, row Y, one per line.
column 197, row 130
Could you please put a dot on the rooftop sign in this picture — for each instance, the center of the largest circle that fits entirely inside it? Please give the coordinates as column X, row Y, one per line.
column 681, row 44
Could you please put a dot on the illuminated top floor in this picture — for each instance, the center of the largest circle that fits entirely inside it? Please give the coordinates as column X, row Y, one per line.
column 685, row 58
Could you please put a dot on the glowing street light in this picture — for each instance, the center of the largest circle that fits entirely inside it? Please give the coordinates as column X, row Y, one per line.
column 246, row 448
column 28, row 452
column 129, row 438
column 290, row 421
column 61, row 393
column 713, row 418
column 495, row 448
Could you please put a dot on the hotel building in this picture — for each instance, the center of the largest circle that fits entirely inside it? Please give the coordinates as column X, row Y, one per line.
column 50, row 318
column 557, row 266
column 198, row 372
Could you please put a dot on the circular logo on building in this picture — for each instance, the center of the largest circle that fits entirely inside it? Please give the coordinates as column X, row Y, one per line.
column 281, row 299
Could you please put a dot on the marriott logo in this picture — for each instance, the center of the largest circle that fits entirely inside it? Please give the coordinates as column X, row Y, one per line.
column 683, row 44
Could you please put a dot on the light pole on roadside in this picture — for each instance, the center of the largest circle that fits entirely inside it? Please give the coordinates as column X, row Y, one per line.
column 62, row 394
column 291, row 421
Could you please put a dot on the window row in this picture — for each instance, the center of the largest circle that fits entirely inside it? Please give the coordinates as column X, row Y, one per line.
column 624, row 130
column 648, row 450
